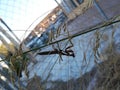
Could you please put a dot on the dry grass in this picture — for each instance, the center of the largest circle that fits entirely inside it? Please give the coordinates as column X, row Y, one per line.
column 16, row 61
column 35, row 84
column 80, row 9
column 106, row 76
column 106, row 73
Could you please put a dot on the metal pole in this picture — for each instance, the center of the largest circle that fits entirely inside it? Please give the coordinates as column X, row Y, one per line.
column 16, row 44
column 3, row 22
column 100, row 10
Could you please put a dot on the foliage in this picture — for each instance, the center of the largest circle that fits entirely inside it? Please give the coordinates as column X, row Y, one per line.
column 4, row 51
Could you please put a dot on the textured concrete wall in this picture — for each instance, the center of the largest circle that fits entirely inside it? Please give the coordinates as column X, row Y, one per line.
column 92, row 16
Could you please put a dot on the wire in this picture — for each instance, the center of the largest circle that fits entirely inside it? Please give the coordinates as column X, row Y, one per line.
column 93, row 28
column 34, row 22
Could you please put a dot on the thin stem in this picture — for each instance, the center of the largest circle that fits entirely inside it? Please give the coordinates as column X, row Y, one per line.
column 90, row 29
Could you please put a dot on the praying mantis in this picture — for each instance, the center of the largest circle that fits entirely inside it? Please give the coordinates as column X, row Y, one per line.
column 57, row 50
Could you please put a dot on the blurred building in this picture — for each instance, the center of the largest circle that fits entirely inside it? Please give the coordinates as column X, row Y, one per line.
column 50, row 22
column 69, row 5
column 73, row 8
